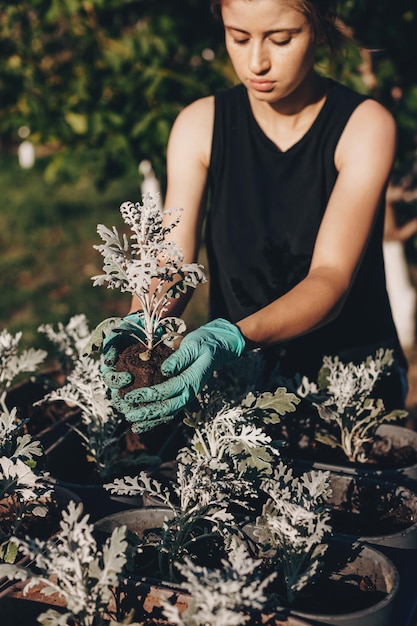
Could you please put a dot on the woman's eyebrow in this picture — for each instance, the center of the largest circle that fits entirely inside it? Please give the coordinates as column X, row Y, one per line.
column 268, row 32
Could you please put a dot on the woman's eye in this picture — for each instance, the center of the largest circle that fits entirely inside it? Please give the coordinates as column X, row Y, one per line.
column 240, row 41
column 281, row 42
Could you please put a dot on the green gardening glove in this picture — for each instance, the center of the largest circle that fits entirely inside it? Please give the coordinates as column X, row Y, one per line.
column 114, row 343
column 202, row 352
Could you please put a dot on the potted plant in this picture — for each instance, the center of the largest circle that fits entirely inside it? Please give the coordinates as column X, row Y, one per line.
column 49, row 422
column 354, row 433
column 232, row 595
column 214, row 489
column 72, row 573
column 382, row 515
column 289, row 535
column 27, row 500
column 98, row 447
column 149, row 265
column 22, row 489
column 13, row 363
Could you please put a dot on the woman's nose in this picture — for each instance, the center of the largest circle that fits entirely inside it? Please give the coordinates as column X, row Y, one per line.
column 259, row 59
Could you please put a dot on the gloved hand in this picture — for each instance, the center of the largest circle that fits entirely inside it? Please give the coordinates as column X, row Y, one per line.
column 200, row 353
column 113, row 344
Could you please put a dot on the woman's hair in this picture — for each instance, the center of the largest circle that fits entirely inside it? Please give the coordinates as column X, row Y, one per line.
column 321, row 15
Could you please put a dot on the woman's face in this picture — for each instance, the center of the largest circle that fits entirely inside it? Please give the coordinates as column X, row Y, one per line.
column 271, row 45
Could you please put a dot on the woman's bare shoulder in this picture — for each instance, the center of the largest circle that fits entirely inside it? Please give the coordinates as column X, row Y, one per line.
column 371, row 130
column 194, row 127
column 198, row 114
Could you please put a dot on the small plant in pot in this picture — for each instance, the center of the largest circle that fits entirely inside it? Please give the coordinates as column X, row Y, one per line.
column 23, row 491
column 21, row 456
column 71, row 571
column 217, row 484
column 14, row 363
column 149, row 265
column 101, row 428
column 349, row 415
column 231, row 595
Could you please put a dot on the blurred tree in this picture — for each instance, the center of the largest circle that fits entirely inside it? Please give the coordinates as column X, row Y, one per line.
column 101, row 81
column 102, row 77
column 387, row 32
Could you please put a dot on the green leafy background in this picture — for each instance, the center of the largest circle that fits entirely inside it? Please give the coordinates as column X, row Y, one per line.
column 99, row 83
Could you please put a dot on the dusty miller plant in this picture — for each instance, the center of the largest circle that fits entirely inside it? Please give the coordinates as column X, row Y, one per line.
column 232, row 451
column 100, row 428
column 231, row 595
column 22, row 487
column 342, row 399
column 13, row 363
column 292, row 528
column 148, row 265
column 69, row 339
column 193, row 517
column 224, row 464
column 73, row 566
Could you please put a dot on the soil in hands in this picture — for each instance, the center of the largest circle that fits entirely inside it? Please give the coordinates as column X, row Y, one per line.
column 145, row 372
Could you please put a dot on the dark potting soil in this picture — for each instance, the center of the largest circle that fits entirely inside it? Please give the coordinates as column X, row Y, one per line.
column 149, row 560
column 372, row 523
column 25, row 395
column 380, row 455
column 32, row 525
column 144, row 372
column 336, row 597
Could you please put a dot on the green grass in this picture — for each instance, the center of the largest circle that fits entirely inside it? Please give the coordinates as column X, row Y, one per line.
column 47, row 259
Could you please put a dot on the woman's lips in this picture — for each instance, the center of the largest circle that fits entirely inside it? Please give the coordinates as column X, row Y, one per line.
column 261, row 85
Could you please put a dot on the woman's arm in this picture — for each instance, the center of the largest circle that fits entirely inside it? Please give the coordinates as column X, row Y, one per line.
column 188, row 158
column 363, row 159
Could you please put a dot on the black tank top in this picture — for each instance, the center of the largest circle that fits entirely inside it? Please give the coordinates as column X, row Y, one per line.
column 266, row 207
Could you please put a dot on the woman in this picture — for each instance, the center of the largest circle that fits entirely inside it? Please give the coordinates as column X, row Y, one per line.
column 295, row 168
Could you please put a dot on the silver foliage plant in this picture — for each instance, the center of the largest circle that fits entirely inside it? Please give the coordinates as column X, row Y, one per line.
column 223, row 465
column 227, row 458
column 85, row 389
column 342, row 399
column 228, row 595
column 22, row 486
column 69, row 339
column 147, row 264
column 230, row 461
column 192, row 516
column 21, row 483
column 293, row 526
column 73, row 566
column 13, row 362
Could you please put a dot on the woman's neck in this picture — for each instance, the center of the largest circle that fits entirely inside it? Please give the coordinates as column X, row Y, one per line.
column 286, row 122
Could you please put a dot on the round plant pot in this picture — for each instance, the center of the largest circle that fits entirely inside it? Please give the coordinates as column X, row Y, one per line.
column 98, row 502
column 59, row 499
column 400, row 546
column 381, row 503
column 397, row 437
column 361, row 562
column 375, row 569
column 136, row 520
column 145, row 595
